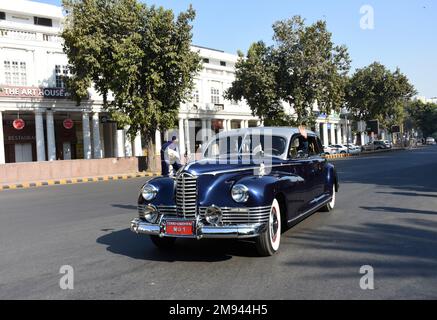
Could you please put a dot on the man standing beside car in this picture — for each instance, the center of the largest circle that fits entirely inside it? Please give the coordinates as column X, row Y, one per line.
column 170, row 157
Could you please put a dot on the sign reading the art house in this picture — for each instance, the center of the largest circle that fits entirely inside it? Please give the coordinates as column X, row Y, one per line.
column 33, row 92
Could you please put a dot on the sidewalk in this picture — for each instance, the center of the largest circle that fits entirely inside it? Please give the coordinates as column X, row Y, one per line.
column 34, row 184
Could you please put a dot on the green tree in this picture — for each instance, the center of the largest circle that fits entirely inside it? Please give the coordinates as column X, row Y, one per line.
column 374, row 92
column 138, row 58
column 424, row 116
column 255, row 81
column 304, row 67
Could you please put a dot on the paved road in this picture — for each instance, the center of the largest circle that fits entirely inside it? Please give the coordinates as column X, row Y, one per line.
column 386, row 217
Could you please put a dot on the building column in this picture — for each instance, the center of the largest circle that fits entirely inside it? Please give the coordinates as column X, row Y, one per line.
column 205, row 132
column 39, row 136
column 325, row 134
column 339, row 140
column 51, row 144
column 363, row 138
column 187, row 136
column 86, row 135
column 344, row 133
column 332, row 133
column 119, row 143
column 317, row 127
column 243, row 124
column 127, row 143
column 138, row 148
column 181, row 138
column 97, row 148
column 225, row 125
column 158, row 143
column 2, row 143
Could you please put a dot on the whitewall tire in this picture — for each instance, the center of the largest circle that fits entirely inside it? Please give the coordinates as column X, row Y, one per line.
column 331, row 204
column 268, row 242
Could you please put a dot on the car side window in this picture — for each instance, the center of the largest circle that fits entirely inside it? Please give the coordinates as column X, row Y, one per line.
column 313, row 147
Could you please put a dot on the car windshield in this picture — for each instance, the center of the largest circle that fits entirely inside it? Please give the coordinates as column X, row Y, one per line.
column 256, row 144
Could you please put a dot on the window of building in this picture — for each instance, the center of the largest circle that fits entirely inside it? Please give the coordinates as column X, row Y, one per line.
column 196, row 97
column 215, row 95
column 2, row 15
column 205, row 60
column 223, row 63
column 42, row 21
column 15, row 73
column 61, row 73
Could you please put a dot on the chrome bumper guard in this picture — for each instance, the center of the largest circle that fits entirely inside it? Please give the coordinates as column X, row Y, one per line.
column 239, row 231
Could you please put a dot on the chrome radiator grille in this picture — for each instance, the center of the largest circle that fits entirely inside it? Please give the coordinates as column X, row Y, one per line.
column 238, row 216
column 186, row 196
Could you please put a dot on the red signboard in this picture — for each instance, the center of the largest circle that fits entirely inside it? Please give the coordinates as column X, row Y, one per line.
column 68, row 123
column 18, row 124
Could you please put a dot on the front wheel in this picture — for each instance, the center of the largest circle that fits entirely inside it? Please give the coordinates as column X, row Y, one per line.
column 268, row 242
column 330, row 205
column 163, row 243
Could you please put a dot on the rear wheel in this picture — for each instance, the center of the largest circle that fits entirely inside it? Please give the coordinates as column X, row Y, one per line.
column 163, row 243
column 268, row 242
column 330, row 205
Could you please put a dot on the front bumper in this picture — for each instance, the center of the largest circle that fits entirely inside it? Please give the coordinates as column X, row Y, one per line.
column 239, row 231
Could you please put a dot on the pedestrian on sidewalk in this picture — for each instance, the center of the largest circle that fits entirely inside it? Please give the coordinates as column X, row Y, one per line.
column 170, row 157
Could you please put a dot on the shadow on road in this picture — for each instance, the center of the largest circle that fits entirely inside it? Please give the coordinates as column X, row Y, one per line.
column 412, row 194
column 398, row 210
column 394, row 250
column 125, row 206
column 126, row 243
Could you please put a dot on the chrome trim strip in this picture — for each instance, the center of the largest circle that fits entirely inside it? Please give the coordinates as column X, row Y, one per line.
column 311, row 211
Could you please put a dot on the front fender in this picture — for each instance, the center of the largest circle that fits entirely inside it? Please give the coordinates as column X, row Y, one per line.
column 165, row 196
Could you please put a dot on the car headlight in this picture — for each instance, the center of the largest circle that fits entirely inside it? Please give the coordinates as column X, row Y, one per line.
column 151, row 214
column 213, row 215
column 149, row 192
column 240, row 193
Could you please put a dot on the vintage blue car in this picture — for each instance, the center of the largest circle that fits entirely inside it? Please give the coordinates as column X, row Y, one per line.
column 250, row 183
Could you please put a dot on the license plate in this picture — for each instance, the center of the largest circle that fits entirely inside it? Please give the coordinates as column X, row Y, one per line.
column 179, row 228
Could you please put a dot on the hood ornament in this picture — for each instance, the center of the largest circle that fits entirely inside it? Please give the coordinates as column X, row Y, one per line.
column 262, row 169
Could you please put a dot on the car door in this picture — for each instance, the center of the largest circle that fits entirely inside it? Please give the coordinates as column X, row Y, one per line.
column 300, row 169
column 318, row 168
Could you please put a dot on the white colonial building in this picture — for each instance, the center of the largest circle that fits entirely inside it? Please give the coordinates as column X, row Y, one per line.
column 38, row 121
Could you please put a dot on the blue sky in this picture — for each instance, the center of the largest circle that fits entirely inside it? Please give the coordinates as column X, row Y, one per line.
column 404, row 33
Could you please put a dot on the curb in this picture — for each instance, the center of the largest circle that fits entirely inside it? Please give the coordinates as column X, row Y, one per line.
column 26, row 185
column 341, row 155
column 362, row 154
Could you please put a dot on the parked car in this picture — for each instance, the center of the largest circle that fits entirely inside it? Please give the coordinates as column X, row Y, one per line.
column 387, row 143
column 430, row 141
column 375, row 145
column 354, row 149
column 330, row 150
column 342, row 149
column 250, row 184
